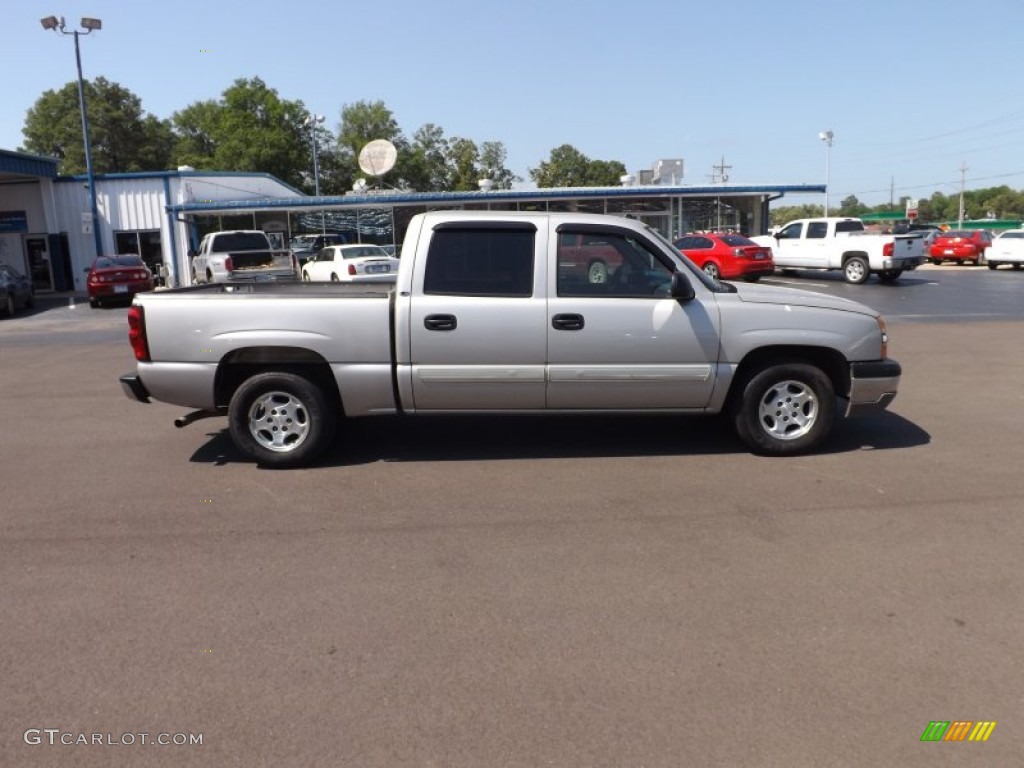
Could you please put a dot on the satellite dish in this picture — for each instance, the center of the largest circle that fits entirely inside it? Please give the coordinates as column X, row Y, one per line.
column 378, row 157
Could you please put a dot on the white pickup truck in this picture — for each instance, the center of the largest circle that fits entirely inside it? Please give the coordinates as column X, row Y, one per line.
column 244, row 254
column 843, row 243
column 489, row 314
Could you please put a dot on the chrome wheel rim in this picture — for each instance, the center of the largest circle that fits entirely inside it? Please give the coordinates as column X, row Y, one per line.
column 711, row 271
column 278, row 421
column 788, row 410
column 855, row 270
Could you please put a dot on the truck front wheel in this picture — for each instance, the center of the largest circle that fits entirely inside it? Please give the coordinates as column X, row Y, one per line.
column 856, row 270
column 280, row 419
column 784, row 409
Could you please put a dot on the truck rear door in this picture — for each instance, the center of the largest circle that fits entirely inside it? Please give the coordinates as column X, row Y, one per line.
column 477, row 328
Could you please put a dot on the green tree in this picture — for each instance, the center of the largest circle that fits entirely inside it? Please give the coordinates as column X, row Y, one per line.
column 492, row 161
column 463, row 165
column 568, row 167
column 123, row 138
column 250, row 128
column 851, row 206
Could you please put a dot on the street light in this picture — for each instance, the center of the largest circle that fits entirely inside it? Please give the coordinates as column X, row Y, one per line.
column 89, row 25
column 311, row 122
column 826, row 136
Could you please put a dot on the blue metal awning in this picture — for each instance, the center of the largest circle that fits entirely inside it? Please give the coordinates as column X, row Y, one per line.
column 20, row 164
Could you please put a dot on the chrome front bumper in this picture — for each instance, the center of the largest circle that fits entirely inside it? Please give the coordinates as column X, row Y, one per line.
column 873, row 386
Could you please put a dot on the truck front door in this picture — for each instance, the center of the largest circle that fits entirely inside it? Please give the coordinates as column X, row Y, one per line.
column 625, row 344
column 477, row 330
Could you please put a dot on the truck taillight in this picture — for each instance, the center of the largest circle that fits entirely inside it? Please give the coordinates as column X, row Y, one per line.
column 351, row 269
column 229, row 265
column 883, row 328
column 137, row 333
column 888, row 249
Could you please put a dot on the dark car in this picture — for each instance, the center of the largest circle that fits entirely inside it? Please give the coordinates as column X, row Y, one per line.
column 117, row 277
column 303, row 247
column 960, row 245
column 727, row 256
column 15, row 290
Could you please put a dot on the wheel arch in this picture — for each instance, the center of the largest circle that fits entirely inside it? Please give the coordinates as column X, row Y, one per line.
column 847, row 255
column 241, row 364
column 830, row 361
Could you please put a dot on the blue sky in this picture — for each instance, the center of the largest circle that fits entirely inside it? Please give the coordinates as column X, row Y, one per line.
column 912, row 90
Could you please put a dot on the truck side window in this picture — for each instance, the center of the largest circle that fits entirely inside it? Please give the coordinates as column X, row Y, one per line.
column 817, row 229
column 480, row 262
column 612, row 265
column 792, row 232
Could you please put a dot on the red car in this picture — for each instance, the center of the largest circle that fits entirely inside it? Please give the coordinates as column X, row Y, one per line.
column 960, row 246
column 117, row 277
column 725, row 257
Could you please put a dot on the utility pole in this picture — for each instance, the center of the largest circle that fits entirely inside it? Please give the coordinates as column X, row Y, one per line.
column 722, row 168
column 963, row 183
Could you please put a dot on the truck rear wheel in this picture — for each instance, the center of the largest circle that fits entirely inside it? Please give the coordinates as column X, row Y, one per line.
column 890, row 275
column 856, row 270
column 280, row 419
column 784, row 409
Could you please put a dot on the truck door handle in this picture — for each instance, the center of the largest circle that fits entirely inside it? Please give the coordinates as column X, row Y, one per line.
column 440, row 322
column 567, row 322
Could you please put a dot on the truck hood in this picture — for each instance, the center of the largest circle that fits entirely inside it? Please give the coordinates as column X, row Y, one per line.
column 770, row 294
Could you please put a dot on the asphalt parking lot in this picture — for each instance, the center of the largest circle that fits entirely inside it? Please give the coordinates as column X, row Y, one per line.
column 519, row 592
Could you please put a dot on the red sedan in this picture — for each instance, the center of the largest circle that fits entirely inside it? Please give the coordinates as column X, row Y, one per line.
column 960, row 246
column 117, row 277
column 725, row 257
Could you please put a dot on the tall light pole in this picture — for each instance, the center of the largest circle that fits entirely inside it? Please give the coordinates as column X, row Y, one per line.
column 311, row 122
column 826, row 136
column 89, row 25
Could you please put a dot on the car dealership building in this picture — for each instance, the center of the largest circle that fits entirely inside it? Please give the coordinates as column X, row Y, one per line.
column 46, row 224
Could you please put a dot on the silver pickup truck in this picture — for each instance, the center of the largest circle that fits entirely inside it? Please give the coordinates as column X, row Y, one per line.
column 490, row 315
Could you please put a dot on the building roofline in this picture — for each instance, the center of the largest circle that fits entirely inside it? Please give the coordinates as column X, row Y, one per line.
column 412, row 198
column 193, row 174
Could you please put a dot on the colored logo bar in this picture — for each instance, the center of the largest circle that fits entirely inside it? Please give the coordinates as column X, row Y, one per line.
column 958, row 730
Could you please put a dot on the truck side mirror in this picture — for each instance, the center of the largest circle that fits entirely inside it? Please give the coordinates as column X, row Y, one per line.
column 682, row 289
column 192, row 253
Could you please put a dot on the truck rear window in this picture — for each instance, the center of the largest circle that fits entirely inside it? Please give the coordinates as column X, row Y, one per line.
column 480, row 262
column 239, row 241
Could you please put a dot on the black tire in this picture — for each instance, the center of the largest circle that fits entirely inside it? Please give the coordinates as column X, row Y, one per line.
column 856, row 270
column 597, row 272
column 94, row 303
column 936, row 262
column 334, row 278
column 890, row 275
column 784, row 409
column 11, row 305
column 993, row 265
column 751, row 278
column 281, row 419
column 711, row 270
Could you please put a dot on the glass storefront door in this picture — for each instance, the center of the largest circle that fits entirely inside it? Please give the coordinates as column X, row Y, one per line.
column 40, row 268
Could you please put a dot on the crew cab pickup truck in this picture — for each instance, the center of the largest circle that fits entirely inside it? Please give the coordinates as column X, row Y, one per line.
column 843, row 243
column 485, row 318
column 240, row 255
